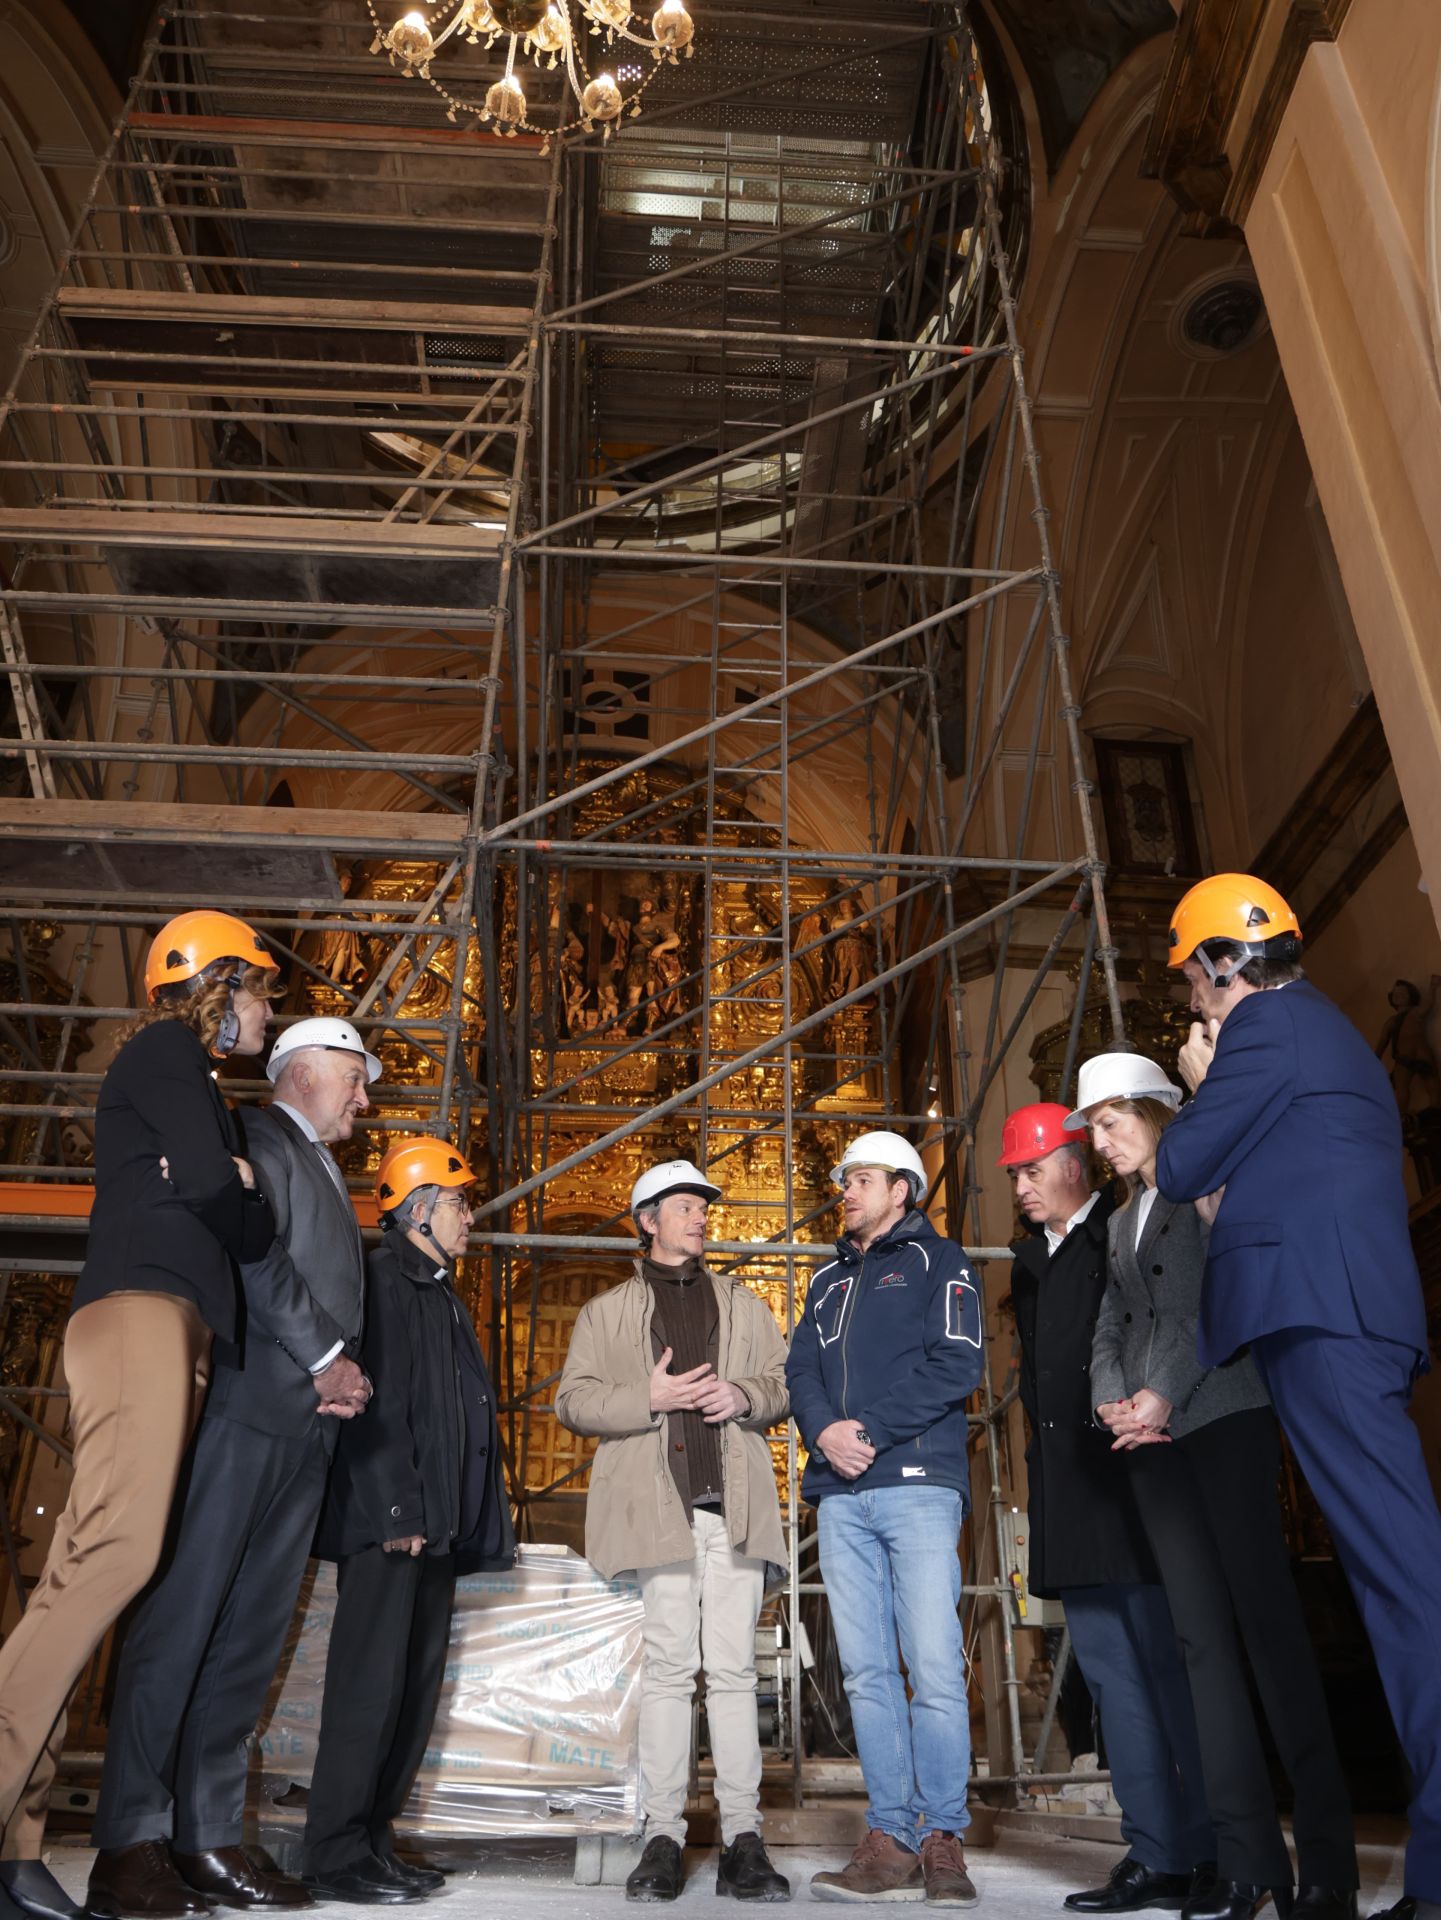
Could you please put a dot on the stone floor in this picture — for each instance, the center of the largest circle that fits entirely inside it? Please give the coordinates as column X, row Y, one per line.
column 1024, row 1875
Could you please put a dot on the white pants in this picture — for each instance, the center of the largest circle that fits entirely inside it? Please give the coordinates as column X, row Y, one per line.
column 701, row 1611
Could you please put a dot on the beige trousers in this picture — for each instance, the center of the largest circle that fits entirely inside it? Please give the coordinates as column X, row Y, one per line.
column 137, row 1365
column 701, row 1612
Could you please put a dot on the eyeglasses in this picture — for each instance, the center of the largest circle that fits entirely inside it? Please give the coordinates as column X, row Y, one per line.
column 457, row 1202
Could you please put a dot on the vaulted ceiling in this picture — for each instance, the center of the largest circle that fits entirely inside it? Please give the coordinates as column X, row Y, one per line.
column 1069, row 48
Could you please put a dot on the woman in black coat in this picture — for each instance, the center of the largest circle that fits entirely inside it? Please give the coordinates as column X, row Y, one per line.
column 175, row 1204
column 415, row 1499
column 1203, row 1453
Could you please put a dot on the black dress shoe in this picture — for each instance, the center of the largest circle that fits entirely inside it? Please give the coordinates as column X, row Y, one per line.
column 388, row 1866
column 1324, row 1903
column 143, row 1881
column 34, row 1889
column 231, row 1878
column 361, row 1886
column 744, row 1872
column 1404, row 1909
column 657, row 1874
column 1130, row 1887
column 1235, row 1900
column 421, row 1863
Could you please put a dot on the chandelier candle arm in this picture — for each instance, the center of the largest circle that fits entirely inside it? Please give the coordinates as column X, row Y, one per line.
column 540, row 28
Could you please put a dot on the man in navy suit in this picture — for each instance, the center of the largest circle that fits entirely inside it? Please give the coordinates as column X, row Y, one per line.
column 1294, row 1130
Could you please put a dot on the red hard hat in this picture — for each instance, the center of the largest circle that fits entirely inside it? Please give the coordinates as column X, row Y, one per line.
column 1030, row 1133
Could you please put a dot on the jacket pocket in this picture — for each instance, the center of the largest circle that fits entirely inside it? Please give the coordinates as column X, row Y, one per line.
column 1243, row 1233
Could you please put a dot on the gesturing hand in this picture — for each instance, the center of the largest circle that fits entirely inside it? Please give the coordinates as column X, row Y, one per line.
column 678, row 1392
column 842, row 1445
column 721, row 1400
column 1196, row 1056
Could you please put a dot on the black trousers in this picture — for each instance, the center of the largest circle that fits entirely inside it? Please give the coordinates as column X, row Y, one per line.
column 202, row 1648
column 382, row 1677
column 1210, row 1509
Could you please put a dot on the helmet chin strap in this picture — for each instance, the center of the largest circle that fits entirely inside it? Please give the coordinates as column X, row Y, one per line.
column 227, row 1036
column 1248, row 950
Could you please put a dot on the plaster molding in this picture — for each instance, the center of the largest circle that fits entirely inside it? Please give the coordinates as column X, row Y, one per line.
column 1233, row 66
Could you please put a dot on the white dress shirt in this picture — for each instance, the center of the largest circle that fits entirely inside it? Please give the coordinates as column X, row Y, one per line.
column 1054, row 1239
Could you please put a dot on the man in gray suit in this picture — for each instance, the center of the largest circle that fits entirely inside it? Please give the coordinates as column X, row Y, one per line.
column 202, row 1649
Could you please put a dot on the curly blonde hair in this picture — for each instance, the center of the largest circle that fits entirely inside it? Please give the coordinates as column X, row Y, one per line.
column 200, row 1005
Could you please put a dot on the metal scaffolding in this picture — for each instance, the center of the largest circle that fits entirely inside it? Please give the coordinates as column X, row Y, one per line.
column 564, row 600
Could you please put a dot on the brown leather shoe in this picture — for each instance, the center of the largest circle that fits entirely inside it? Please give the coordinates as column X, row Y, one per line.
column 879, row 1869
column 943, row 1867
column 229, row 1875
column 141, row 1880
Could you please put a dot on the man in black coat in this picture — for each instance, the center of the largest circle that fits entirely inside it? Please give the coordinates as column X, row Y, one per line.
column 1086, row 1543
column 417, row 1495
column 202, row 1649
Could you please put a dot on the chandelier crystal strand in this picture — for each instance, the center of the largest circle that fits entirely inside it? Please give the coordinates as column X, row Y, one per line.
column 540, row 28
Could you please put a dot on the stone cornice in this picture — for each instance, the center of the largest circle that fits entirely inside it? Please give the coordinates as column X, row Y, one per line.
column 1233, row 65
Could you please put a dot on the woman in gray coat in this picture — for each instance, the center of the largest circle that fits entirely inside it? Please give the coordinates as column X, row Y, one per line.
column 1203, row 1451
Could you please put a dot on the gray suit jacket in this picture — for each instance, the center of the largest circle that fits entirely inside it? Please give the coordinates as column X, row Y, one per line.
column 304, row 1295
column 1146, row 1329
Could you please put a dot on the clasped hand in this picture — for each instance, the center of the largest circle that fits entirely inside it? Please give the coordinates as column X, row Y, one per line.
column 843, row 1447
column 343, row 1388
column 698, row 1391
column 1138, row 1422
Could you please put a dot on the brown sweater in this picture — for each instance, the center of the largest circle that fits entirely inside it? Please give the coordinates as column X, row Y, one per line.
column 687, row 1320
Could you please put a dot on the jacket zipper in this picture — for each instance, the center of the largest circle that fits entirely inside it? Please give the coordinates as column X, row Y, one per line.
column 460, row 1422
column 846, row 1340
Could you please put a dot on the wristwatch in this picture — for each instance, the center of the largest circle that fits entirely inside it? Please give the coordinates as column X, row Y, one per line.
column 864, row 1438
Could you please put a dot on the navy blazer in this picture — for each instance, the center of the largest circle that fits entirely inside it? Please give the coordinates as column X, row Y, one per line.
column 150, row 1234
column 1297, row 1120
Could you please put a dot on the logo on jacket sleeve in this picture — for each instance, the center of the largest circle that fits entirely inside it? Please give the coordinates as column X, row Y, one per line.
column 963, row 1312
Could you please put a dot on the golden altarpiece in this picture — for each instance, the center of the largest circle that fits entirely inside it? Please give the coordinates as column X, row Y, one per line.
column 614, row 961
column 611, row 1011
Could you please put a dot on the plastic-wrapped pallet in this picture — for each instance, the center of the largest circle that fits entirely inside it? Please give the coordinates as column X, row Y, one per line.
column 537, row 1722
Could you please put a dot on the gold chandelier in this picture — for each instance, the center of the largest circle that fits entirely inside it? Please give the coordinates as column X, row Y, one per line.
column 557, row 28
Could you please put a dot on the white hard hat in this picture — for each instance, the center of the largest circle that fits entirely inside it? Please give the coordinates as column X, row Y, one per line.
column 886, row 1150
column 671, row 1176
column 336, row 1036
column 1120, row 1076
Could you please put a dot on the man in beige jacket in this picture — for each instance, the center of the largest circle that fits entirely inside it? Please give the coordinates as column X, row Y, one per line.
column 678, row 1372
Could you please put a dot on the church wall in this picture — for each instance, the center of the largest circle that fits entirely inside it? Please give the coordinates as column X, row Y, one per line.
column 1385, row 931
column 1342, row 231
column 1297, row 685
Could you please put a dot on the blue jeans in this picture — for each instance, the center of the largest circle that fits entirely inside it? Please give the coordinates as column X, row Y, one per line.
column 890, row 1562
column 1125, row 1645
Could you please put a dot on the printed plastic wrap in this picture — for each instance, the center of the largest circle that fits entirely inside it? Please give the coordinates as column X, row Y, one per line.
column 537, row 1723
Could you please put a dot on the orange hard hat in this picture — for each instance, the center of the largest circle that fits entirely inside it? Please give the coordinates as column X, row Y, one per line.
column 1030, row 1133
column 418, row 1162
column 191, row 942
column 1230, row 906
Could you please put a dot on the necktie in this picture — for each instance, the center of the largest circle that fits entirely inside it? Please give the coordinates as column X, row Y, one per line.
column 333, row 1169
